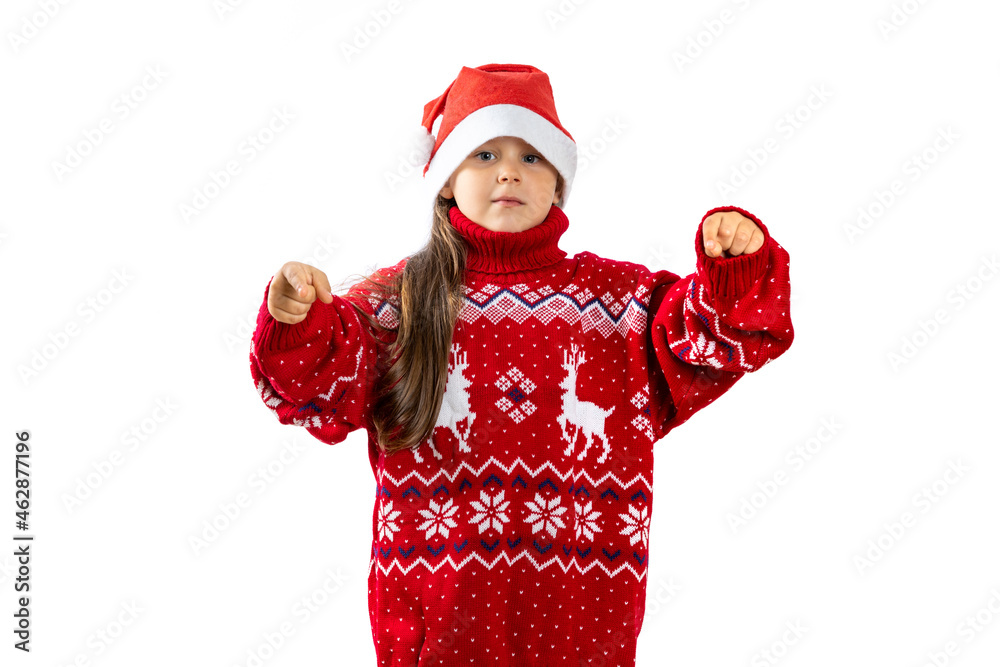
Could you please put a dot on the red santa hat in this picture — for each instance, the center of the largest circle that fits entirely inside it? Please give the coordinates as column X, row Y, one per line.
column 494, row 101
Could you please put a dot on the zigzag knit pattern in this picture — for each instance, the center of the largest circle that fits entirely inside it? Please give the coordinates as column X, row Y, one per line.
column 518, row 532
column 544, row 514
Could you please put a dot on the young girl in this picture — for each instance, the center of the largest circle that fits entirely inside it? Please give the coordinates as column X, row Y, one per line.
column 513, row 395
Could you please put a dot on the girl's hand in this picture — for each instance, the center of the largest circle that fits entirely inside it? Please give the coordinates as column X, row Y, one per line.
column 730, row 233
column 293, row 290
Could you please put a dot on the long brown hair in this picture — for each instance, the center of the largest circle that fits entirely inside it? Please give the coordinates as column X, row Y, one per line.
column 413, row 371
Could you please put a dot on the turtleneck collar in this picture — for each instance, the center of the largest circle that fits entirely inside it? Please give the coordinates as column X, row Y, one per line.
column 511, row 252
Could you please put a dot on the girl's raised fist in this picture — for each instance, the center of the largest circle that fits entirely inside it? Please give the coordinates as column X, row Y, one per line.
column 293, row 290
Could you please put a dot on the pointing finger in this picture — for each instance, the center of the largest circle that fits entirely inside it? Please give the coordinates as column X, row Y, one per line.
column 298, row 279
column 709, row 235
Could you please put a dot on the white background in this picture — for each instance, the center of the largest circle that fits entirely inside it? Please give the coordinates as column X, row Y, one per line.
column 177, row 329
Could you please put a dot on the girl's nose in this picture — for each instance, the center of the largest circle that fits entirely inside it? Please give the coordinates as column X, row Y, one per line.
column 509, row 175
column 508, row 171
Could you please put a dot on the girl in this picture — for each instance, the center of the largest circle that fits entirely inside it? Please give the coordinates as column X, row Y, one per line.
column 512, row 395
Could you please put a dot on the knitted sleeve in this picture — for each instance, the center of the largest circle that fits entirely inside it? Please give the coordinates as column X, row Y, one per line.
column 708, row 329
column 318, row 373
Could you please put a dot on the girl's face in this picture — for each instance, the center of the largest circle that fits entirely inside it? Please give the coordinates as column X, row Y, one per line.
column 504, row 167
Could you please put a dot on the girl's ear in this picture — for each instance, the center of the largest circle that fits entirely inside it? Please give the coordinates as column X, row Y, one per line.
column 446, row 191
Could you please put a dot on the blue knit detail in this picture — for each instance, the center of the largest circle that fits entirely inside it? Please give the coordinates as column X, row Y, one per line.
column 638, row 494
column 540, row 548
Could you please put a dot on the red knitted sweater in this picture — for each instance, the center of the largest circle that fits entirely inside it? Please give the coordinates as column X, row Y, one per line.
column 518, row 533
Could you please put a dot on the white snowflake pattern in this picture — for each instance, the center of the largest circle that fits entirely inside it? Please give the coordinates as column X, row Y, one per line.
column 387, row 520
column 702, row 351
column 439, row 518
column 545, row 515
column 586, row 520
column 636, row 525
column 491, row 512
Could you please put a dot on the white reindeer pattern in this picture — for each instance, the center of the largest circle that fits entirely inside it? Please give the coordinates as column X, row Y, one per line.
column 455, row 406
column 583, row 415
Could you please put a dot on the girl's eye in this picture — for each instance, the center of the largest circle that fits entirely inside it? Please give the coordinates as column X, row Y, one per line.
column 535, row 158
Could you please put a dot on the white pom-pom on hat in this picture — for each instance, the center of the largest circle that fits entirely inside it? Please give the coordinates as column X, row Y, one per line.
column 423, row 145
